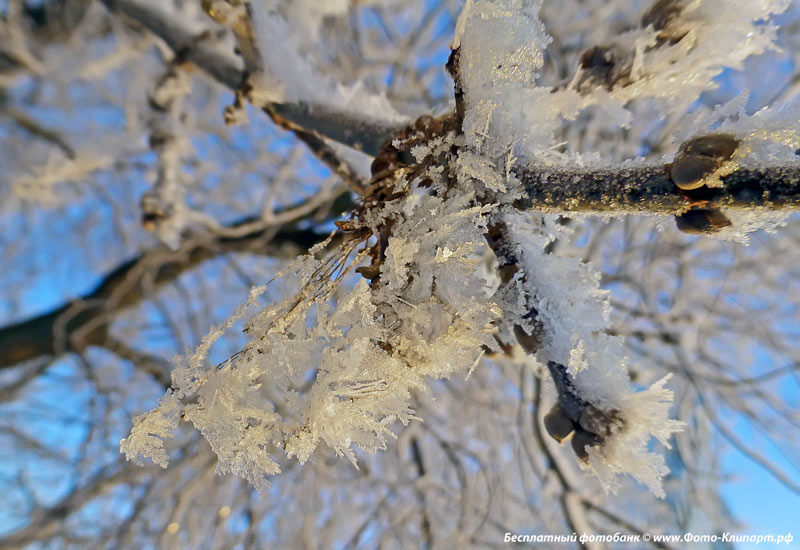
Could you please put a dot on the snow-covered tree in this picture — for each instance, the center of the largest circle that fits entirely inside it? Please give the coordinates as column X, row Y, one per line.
column 393, row 274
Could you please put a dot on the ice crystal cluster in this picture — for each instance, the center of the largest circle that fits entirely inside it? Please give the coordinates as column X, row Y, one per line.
column 338, row 363
column 344, row 365
column 669, row 58
column 275, row 43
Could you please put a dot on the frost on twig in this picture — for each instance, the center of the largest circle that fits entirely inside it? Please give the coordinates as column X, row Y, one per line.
column 278, row 67
column 558, row 314
column 552, row 306
column 678, row 49
column 337, row 362
column 164, row 208
column 336, row 366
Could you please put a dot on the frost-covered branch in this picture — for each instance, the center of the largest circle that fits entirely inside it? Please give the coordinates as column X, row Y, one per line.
column 668, row 60
column 164, row 208
column 37, row 129
column 650, row 190
column 440, row 192
column 455, row 293
column 196, row 43
column 551, row 305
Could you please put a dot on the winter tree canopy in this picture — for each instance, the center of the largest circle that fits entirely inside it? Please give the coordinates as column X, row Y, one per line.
column 371, row 273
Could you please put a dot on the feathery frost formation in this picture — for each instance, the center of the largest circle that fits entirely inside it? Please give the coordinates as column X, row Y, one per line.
column 344, row 360
column 344, row 363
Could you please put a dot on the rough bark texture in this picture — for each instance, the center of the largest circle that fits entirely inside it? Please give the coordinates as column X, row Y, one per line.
column 649, row 190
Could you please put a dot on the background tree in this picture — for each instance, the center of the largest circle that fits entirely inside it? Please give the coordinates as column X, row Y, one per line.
column 163, row 158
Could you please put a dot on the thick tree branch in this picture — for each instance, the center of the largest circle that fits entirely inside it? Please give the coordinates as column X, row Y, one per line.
column 642, row 190
column 649, row 190
column 194, row 44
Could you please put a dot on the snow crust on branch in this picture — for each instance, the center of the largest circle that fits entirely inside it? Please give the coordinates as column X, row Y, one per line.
column 555, row 300
column 573, row 313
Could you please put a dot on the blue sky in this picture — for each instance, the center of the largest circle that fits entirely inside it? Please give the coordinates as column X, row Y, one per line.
column 761, row 502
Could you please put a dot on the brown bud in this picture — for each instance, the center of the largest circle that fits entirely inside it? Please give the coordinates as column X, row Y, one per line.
column 661, row 14
column 606, row 66
column 598, row 57
column 702, row 221
column 369, row 272
column 150, row 221
column 557, row 424
column 423, row 122
column 436, row 127
column 581, row 440
column 700, row 157
column 380, row 164
column 598, row 421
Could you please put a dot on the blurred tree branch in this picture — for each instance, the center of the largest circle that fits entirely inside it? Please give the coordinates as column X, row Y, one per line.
column 347, row 127
column 84, row 321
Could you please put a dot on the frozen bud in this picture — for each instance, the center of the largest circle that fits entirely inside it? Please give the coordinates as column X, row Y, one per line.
column 581, row 440
column 604, row 66
column 225, row 12
column 154, row 210
column 382, row 167
column 665, row 17
column 702, row 221
column 528, row 342
column 661, row 14
column 598, row 421
column 557, row 424
column 700, row 157
column 423, row 123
